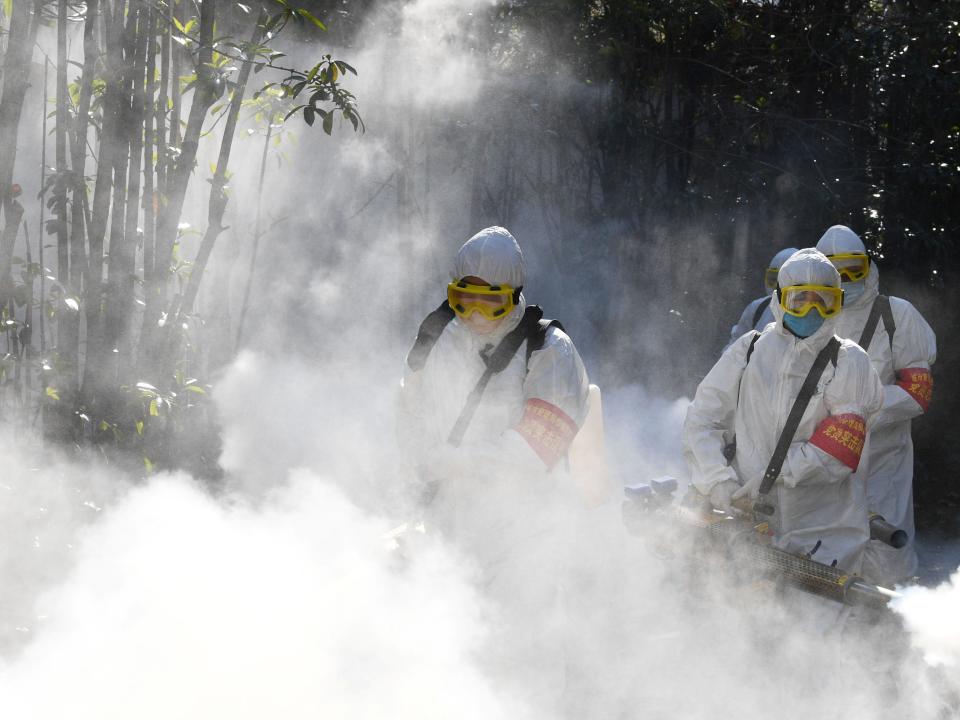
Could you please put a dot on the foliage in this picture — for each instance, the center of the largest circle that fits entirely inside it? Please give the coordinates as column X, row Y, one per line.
column 115, row 207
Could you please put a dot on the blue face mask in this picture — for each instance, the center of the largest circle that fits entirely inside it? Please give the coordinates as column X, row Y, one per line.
column 803, row 326
column 852, row 291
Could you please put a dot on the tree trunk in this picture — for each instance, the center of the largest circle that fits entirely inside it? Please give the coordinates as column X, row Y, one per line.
column 122, row 263
column 256, row 237
column 216, row 208
column 16, row 76
column 123, row 51
column 149, row 115
column 111, row 147
column 78, row 162
column 67, row 317
column 178, row 178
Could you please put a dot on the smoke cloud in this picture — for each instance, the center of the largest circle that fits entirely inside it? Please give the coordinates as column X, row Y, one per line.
column 288, row 591
column 930, row 614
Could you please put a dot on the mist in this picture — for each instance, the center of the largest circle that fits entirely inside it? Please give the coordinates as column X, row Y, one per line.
column 288, row 592
column 303, row 580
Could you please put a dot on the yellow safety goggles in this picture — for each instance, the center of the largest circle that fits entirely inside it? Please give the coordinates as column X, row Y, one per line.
column 491, row 301
column 851, row 266
column 798, row 300
column 770, row 278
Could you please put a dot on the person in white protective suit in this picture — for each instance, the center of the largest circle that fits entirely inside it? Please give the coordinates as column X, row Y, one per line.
column 758, row 314
column 500, row 475
column 818, row 494
column 902, row 347
column 529, row 410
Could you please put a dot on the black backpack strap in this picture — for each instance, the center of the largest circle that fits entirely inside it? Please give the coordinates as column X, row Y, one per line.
column 539, row 336
column 764, row 304
column 427, row 336
column 496, row 361
column 879, row 309
column 886, row 312
column 828, row 354
column 730, row 449
column 756, row 336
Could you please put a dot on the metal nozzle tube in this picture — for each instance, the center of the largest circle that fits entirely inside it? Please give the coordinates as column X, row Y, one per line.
column 887, row 533
column 860, row 592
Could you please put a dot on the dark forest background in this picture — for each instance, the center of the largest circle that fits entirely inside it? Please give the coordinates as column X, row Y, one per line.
column 654, row 155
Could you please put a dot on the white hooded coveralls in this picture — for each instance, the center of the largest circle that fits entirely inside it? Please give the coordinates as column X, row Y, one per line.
column 904, row 370
column 745, row 324
column 527, row 415
column 503, row 493
column 819, row 496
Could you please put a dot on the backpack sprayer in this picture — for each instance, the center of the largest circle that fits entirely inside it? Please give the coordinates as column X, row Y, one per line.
column 746, row 538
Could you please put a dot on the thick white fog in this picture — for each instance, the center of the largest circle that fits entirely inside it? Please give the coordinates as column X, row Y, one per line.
column 287, row 590
column 287, row 594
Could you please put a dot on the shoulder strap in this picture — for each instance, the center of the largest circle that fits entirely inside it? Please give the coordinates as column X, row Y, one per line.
column 764, row 304
column 828, row 354
column 496, row 360
column 886, row 312
column 427, row 336
column 538, row 335
column 756, row 336
column 730, row 451
column 880, row 308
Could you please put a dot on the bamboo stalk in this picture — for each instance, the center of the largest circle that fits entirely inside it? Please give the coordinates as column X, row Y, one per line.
column 256, row 236
column 80, row 217
column 16, row 66
column 67, row 319
column 218, row 197
column 149, row 138
column 178, row 179
column 126, row 257
column 43, row 206
column 175, row 95
column 108, row 147
column 60, row 145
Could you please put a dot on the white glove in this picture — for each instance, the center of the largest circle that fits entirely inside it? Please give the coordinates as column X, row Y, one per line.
column 722, row 494
column 750, row 489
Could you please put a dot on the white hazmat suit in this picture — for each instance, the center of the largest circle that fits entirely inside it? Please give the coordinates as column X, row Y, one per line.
column 819, row 495
column 749, row 320
column 903, row 365
column 553, row 388
column 503, row 493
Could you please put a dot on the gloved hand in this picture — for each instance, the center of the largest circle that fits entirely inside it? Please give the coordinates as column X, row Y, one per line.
column 722, row 494
column 749, row 490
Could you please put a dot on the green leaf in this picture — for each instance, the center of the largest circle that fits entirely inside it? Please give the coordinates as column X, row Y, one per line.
column 328, row 123
column 292, row 112
column 52, row 393
column 139, row 427
column 311, row 17
column 197, row 389
column 148, row 464
column 354, row 120
column 309, row 114
column 154, row 411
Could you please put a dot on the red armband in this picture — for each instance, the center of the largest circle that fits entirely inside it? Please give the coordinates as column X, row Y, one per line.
column 842, row 437
column 918, row 382
column 547, row 429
